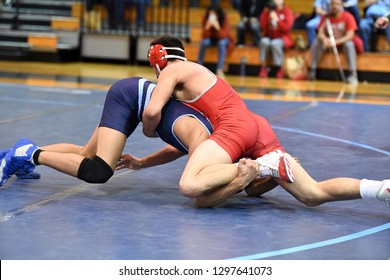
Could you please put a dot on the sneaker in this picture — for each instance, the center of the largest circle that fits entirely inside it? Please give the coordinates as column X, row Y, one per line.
column 279, row 74
column 312, row 75
column 263, row 72
column 20, row 155
column 352, row 79
column 275, row 164
column 384, row 192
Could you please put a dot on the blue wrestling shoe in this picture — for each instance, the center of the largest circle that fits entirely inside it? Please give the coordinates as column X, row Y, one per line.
column 26, row 172
column 20, row 156
column 3, row 153
column 3, row 178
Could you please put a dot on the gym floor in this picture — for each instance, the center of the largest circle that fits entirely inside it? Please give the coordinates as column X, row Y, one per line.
column 335, row 131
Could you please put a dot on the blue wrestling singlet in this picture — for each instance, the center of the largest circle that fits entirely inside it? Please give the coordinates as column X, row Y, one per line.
column 125, row 103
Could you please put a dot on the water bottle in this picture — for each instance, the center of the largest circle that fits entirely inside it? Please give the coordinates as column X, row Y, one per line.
column 243, row 66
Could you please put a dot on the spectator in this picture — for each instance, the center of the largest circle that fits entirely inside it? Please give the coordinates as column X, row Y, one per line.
column 276, row 23
column 320, row 9
column 195, row 3
column 373, row 10
column 352, row 7
column 383, row 21
column 111, row 15
column 140, row 5
column 236, row 4
column 344, row 27
column 92, row 18
column 250, row 11
column 215, row 31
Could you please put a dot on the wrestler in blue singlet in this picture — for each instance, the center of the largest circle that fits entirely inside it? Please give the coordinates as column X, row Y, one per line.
column 125, row 103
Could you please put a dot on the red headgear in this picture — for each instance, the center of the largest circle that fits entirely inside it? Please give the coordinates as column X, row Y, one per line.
column 158, row 56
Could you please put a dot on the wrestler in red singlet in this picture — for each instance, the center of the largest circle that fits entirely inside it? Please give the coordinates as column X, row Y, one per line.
column 236, row 129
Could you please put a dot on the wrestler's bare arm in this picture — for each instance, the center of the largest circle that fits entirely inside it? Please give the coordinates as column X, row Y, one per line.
column 152, row 114
column 247, row 171
column 163, row 156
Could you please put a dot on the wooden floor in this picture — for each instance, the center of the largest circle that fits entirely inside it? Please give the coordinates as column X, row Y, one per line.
column 102, row 75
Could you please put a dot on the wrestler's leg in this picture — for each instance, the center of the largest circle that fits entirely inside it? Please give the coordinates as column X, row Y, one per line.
column 88, row 150
column 108, row 144
column 260, row 186
column 190, row 132
column 208, row 168
column 246, row 171
column 312, row 193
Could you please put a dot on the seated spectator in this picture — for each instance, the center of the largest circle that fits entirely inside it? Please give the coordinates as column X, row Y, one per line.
column 276, row 23
column 215, row 31
column 373, row 10
column 236, row 4
column 383, row 21
column 195, row 3
column 120, row 6
column 344, row 26
column 352, row 7
column 320, row 9
column 250, row 11
column 111, row 14
column 92, row 18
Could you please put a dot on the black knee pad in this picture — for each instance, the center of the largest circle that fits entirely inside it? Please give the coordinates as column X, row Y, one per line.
column 94, row 171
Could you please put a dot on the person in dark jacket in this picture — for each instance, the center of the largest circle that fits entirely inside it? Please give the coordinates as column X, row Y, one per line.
column 250, row 11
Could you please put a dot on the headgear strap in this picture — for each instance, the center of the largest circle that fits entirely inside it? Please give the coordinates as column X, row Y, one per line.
column 158, row 56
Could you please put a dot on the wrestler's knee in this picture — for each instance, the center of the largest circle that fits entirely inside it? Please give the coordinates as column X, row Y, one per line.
column 310, row 199
column 94, row 170
column 189, row 188
column 311, row 202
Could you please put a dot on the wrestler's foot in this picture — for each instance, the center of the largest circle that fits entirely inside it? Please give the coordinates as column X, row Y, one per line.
column 384, row 192
column 19, row 156
column 26, row 172
column 3, row 153
column 275, row 164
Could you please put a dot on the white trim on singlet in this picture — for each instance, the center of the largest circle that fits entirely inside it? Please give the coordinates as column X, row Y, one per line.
column 187, row 115
column 203, row 92
column 141, row 85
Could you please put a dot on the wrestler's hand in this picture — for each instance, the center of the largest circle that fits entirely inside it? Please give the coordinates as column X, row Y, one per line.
column 247, row 170
column 129, row 161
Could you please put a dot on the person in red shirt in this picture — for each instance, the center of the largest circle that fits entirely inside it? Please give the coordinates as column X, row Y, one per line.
column 215, row 31
column 344, row 27
column 276, row 22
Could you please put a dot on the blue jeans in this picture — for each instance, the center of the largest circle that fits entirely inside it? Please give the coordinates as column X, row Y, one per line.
column 141, row 5
column 366, row 24
column 311, row 29
column 222, row 49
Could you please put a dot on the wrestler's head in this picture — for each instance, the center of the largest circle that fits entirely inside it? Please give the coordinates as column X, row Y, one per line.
column 163, row 49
